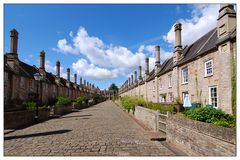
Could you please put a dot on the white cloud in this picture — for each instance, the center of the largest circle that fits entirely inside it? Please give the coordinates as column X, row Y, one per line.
column 71, row 34
column 203, row 19
column 83, row 68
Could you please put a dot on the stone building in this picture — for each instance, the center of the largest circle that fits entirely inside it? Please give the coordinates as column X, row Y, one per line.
column 202, row 70
column 20, row 85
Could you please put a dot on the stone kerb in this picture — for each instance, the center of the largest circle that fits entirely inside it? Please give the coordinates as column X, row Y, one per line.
column 61, row 110
column 199, row 138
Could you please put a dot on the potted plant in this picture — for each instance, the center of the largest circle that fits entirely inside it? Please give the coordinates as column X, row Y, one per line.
column 63, row 106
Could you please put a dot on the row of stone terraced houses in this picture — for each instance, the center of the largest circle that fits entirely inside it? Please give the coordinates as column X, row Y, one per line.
column 203, row 70
column 20, row 85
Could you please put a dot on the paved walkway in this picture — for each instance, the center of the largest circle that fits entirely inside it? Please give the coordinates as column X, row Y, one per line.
column 103, row 129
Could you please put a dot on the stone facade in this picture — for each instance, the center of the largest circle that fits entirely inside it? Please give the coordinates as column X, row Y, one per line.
column 20, row 84
column 202, row 70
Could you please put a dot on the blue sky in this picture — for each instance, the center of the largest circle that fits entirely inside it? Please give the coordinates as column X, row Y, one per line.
column 102, row 43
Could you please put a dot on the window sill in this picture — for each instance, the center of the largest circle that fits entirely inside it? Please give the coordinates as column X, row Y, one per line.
column 185, row 83
column 169, row 86
column 207, row 76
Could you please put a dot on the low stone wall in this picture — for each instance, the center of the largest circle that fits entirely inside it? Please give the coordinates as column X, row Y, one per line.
column 18, row 119
column 80, row 106
column 147, row 116
column 199, row 138
column 61, row 110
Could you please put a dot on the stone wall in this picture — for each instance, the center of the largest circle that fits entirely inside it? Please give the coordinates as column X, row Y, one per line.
column 18, row 119
column 201, row 139
column 147, row 116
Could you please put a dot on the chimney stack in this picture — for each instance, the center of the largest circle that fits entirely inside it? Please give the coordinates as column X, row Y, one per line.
column 84, row 83
column 58, row 69
column 146, row 67
column 140, row 72
column 178, row 36
column 135, row 77
column 68, row 74
column 80, row 81
column 42, row 60
column 157, row 49
column 13, row 41
column 75, row 78
column 131, row 79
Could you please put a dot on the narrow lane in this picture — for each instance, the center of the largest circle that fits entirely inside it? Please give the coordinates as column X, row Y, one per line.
column 103, row 129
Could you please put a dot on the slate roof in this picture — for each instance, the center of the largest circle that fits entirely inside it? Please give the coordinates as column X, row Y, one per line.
column 199, row 48
column 29, row 71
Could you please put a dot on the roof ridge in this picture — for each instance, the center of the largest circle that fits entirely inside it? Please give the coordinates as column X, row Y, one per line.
column 206, row 41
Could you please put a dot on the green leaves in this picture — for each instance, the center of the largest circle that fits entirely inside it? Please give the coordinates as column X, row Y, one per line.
column 63, row 101
column 30, row 105
column 130, row 103
column 211, row 115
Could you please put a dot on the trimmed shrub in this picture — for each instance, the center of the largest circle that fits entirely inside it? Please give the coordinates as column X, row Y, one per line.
column 63, row 101
column 114, row 98
column 30, row 105
column 130, row 103
column 81, row 100
column 211, row 115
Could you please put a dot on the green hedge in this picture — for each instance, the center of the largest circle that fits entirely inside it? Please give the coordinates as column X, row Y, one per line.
column 63, row 101
column 211, row 115
column 130, row 103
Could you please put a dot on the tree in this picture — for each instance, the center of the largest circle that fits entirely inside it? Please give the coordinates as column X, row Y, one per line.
column 113, row 87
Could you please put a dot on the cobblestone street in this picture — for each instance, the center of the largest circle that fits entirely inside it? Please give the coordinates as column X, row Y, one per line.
column 101, row 130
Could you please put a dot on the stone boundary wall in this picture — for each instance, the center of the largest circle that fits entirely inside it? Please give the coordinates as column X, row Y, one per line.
column 147, row 116
column 18, row 119
column 200, row 139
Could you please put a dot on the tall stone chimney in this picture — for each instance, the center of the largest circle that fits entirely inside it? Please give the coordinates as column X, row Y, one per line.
column 178, row 43
column 13, row 42
column 80, row 81
column 146, row 67
column 178, row 36
column 135, row 77
column 75, row 78
column 139, row 73
column 68, row 74
column 157, row 49
column 42, row 60
column 226, row 20
column 157, row 62
column 58, row 69
column 131, row 79
column 84, row 82
column 12, row 57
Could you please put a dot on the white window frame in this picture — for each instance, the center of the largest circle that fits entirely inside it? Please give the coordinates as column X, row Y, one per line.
column 185, row 77
column 210, row 97
column 162, row 98
column 205, row 68
column 170, row 80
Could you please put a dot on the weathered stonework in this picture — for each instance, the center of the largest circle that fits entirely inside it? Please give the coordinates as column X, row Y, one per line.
column 199, row 138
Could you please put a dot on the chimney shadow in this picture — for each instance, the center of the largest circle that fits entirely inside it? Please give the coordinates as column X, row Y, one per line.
column 37, row 134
